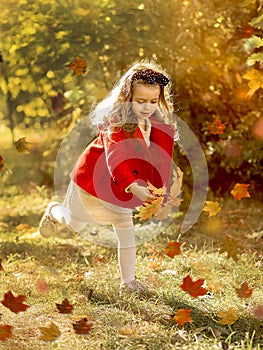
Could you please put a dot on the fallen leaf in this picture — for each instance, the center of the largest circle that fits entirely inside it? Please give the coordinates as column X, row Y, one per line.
column 172, row 249
column 43, row 286
column 240, row 191
column 216, row 127
column 65, row 307
column 258, row 312
column 244, row 291
column 79, row 66
column 156, row 257
column 182, row 316
column 212, row 208
column 231, row 246
column 82, row 325
column 15, row 304
column 5, row 331
column 22, row 146
column 49, row 333
column 195, row 289
column 2, row 163
column 228, row 316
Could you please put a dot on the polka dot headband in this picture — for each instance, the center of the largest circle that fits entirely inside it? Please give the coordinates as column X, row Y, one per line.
column 151, row 77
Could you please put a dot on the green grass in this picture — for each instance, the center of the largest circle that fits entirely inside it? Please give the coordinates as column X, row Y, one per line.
column 131, row 323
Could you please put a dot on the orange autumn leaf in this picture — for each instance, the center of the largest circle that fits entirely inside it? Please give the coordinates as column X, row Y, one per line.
column 43, row 286
column 156, row 191
column 172, row 249
column 149, row 209
column 183, row 316
column 244, row 291
column 15, row 304
column 22, row 146
column 240, row 191
column 228, row 317
column 2, row 163
column 65, row 307
column 49, row 333
column 82, row 325
column 216, row 127
column 195, row 289
column 156, row 257
column 5, row 331
column 79, row 66
column 258, row 312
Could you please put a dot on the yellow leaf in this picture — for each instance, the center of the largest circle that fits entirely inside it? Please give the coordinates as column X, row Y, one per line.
column 156, row 191
column 148, row 210
column 228, row 316
column 212, row 208
column 255, row 78
column 49, row 333
column 22, row 146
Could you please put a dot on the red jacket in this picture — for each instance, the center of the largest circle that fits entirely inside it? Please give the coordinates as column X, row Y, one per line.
column 113, row 161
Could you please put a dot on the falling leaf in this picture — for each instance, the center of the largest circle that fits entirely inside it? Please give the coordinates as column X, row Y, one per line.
column 82, row 325
column 255, row 78
column 172, row 249
column 258, row 312
column 58, row 102
column 183, row 316
column 79, row 66
column 1, row 266
column 231, row 246
column 22, row 146
column 240, row 191
column 212, row 208
column 156, row 257
column 43, row 287
column 65, row 307
column 216, row 127
column 49, row 333
column 244, row 291
column 195, row 289
column 228, row 316
column 5, row 331
column 2, row 163
column 15, row 304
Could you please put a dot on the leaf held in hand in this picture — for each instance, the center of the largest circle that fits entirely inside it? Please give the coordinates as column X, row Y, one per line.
column 22, row 146
column 14, row 304
column 172, row 249
column 5, row 331
column 240, row 191
column 65, row 307
column 79, row 66
column 82, row 325
column 228, row 316
column 49, row 333
column 149, row 209
column 244, row 291
column 212, row 208
column 183, row 316
column 195, row 289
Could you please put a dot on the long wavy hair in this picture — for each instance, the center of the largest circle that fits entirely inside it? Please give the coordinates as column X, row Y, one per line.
column 115, row 111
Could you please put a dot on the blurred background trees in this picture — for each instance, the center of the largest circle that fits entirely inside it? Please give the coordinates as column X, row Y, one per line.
column 212, row 49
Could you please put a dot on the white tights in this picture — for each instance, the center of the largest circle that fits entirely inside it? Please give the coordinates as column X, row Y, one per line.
column 124, row 233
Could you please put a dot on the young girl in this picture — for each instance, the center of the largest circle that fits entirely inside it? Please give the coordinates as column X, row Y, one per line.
column 134, row 145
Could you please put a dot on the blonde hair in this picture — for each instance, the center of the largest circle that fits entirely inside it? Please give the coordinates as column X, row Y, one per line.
column 115, row 110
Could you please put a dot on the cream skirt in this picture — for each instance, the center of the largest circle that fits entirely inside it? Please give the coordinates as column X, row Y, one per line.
column 88, row 209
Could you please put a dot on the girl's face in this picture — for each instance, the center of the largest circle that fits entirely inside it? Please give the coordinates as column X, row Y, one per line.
column 145, row 100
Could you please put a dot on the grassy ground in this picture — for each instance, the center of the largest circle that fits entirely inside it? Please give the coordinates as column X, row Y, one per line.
column 48, row 271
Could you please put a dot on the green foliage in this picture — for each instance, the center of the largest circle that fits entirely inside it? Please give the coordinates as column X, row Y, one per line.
column 213, row 51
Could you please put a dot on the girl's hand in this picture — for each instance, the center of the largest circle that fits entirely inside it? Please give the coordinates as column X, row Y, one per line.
column 141, row 192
